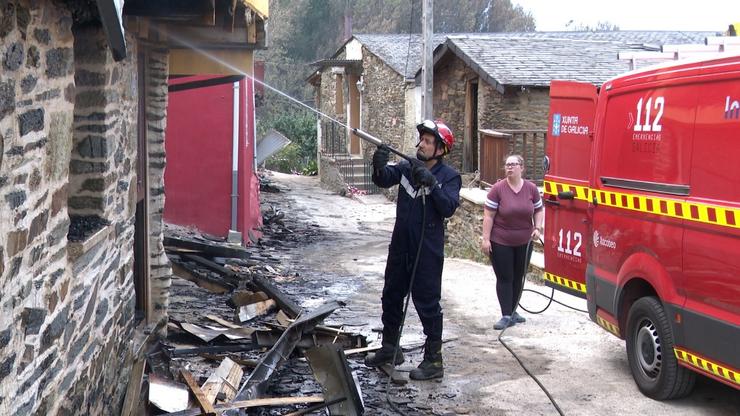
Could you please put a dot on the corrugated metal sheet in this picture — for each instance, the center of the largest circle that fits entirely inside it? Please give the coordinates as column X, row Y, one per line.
column 270, row 144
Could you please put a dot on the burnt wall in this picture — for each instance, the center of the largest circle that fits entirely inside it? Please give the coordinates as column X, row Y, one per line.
column 68, row 144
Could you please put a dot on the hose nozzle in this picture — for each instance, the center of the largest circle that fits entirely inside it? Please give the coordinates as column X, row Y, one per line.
column 376, row 141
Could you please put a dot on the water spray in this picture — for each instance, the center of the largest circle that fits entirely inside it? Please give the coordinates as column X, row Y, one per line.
column 359, row 133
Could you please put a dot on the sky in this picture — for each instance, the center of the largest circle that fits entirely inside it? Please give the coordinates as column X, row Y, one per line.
column 713, row 15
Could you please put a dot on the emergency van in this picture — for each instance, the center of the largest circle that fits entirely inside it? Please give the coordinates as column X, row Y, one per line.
column 642, row 197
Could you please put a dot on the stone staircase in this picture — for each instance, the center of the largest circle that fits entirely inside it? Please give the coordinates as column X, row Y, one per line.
column 356, row 172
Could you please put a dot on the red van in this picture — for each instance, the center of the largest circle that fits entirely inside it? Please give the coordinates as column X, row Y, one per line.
column 642, row 197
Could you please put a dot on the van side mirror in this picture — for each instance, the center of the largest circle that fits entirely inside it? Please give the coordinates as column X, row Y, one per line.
column 546, row 164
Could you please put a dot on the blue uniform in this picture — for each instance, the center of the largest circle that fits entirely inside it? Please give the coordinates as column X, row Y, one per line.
column 441, row 202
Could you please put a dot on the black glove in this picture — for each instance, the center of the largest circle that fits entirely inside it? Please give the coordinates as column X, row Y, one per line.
column 422, row 176
column 380, row 157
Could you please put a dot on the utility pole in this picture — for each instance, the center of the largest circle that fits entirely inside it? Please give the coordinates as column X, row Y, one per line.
column 427, row 65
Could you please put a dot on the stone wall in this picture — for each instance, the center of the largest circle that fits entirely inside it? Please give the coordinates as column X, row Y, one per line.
column 383, row 104
column 463, row 232
column 516, row 108
column 160, row 269
column 68, row 133
column 450, row 81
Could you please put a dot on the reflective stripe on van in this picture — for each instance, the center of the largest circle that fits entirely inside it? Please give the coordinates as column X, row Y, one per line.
column 667, row 207
column 562, row 281
column 708, row 367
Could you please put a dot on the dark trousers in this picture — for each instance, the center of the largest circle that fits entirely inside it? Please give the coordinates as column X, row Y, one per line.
column 509, row 264
column 426, row 294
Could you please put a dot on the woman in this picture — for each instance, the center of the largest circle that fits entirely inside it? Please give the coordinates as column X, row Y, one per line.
column 508, row 226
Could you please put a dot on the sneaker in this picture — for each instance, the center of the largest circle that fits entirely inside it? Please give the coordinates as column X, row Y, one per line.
column 518, row 318
column 504, row 322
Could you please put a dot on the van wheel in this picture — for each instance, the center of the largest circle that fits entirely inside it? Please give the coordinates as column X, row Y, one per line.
column 650, row 352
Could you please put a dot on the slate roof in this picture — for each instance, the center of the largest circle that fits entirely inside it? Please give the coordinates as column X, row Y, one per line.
column 535, row 62
column 393, row 49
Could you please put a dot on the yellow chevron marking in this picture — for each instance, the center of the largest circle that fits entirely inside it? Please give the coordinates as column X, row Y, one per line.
column 570, row 284
column 604, row 197
column 607, row 325
column 703, row 364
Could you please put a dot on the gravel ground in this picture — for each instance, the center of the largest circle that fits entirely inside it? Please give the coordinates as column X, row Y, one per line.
column 584, row 368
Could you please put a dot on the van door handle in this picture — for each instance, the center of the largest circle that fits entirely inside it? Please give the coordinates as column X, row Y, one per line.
column 552, row 202
column 566, row 195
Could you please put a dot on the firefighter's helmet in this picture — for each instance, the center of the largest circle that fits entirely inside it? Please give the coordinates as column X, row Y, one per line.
column 440, row 130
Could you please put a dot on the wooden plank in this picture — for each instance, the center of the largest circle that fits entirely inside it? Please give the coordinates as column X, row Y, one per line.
column 254, row 310
column 183, row 352
column 204, row 404
column 225, row 378
column 363, row 349
column 227, row 274
column 396, row 377
column 223, row 322
column 286, row 304
column 211, row 285
column 243, row 404
column 241, row 361
column 208, row 249
column 134, row 388
column 245, row 297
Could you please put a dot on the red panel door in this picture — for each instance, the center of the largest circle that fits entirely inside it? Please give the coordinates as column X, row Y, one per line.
column 571, row 120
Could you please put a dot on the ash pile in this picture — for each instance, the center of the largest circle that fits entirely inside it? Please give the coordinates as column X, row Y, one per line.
column 236, row 344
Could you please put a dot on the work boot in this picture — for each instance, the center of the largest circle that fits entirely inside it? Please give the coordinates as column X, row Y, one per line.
column 504, row 322
column 518, row 318
column 432, row 366
column 385, row 354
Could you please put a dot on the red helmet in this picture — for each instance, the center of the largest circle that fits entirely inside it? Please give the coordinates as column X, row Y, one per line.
column 440, row 130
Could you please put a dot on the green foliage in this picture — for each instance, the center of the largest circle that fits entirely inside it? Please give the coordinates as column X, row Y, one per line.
column 300, row 128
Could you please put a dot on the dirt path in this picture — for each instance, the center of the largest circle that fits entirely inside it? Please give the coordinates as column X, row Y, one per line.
column 584, row 367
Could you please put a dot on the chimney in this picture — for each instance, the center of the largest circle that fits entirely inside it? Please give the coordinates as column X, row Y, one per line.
column 347, row 20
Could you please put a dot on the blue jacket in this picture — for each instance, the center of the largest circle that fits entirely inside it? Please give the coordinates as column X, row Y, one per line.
column 441, row 202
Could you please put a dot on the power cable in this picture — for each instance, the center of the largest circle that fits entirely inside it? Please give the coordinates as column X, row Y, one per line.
column 397, row 347
column 418, row 250
column 516, row 357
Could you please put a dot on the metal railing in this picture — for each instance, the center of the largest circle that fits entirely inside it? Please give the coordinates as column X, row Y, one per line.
column 356, row 172
column 333, row 140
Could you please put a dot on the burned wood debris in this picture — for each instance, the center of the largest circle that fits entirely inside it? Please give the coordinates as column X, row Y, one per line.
column 231, row 332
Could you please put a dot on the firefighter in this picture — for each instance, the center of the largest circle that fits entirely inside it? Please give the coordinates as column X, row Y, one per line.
column 440, row 183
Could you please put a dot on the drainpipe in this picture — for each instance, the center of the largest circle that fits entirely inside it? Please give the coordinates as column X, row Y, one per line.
column 235, row 159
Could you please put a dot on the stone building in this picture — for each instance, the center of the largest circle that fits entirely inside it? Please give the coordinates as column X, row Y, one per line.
column 500, row 81
column 481, row 81
column 83, row 271
column 368, row 84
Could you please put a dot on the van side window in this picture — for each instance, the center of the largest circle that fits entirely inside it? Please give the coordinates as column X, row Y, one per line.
column 715, row 171
column 648, row 135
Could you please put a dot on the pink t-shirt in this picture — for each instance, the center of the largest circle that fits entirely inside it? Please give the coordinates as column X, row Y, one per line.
column 512, row 225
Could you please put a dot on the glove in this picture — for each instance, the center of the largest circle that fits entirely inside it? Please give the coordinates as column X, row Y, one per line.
column 421, row 175
column 380, row 157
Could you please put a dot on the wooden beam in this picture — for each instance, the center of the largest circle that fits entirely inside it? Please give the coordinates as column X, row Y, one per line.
column 243, row 404
column 226, row 378
column 253, row 310
column 208, row 249
column 223, row 322
column 212, row 285
column 133, row 391
column 203, row 402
